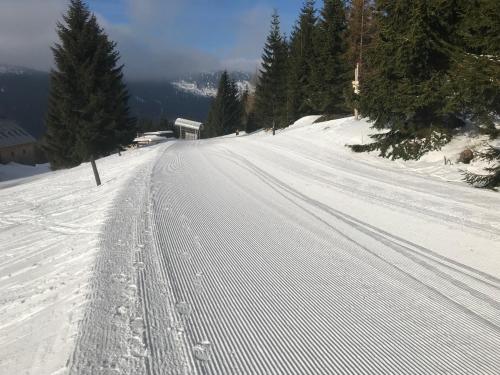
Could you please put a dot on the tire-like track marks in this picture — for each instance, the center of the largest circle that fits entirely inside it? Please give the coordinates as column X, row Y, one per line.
column 213, row 266
column 275, row 283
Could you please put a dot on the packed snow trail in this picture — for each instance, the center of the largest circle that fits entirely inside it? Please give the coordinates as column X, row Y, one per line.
column 244, row 256
column 49, row 238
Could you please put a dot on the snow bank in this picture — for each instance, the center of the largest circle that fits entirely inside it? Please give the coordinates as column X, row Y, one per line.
column 13, row 171
column 49, row 230
column 348, row 131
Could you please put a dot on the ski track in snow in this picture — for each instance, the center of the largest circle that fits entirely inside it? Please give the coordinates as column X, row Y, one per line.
column 49, row 231
column 222, row 259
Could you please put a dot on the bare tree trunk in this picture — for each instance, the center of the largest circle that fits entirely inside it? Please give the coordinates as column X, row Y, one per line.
column 96, row 172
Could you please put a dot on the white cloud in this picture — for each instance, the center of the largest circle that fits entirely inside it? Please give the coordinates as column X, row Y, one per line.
column 147, row 41
column 27, row 31
column 251, row 30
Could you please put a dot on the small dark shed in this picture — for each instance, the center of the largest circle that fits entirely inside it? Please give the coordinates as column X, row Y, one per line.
column 16, row 145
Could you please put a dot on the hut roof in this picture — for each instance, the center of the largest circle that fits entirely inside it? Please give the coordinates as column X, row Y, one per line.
column 12, row 134
column 188, row 124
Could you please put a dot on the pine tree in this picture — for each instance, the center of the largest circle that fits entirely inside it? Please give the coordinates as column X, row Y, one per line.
column 330, row 73
column 491, row 179
column 88, row 114
column 301, row 61
column 476, row 79
column 271, row 91
column 407, row 90
column 245, row 108
column 476, row 70
column 225, row 113
column 361, row 31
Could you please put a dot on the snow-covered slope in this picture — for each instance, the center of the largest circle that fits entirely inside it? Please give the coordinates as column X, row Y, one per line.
column 11, row 69
column 49, row 235
column 292, row 255
column 205, row 84
column 196, row 88
column 333, row 136
column 253, row 254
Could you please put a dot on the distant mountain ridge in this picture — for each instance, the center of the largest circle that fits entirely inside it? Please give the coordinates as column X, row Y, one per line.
column 24, row 96
column 205, row 84
column 12, row 69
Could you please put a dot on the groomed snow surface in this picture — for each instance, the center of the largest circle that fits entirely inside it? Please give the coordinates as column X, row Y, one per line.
column 50, row 232
column 252, row 255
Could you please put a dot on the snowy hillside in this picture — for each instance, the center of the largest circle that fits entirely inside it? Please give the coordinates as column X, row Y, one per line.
column 205, row 84
column 6, row 69
column 10, row 69
column 337, row 134
column 252, row 254
column 49, row 235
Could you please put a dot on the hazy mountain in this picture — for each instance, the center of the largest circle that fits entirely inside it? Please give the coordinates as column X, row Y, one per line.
column 24, row 96
column 205, row 84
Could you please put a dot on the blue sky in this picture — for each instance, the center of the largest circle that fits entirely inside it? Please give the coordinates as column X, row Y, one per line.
column 225, row 32
column 156, row 38
column 216, row 19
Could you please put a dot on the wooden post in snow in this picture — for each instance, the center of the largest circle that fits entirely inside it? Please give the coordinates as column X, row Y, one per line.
column 96, row 172
column 355, row 85
column 357, row 72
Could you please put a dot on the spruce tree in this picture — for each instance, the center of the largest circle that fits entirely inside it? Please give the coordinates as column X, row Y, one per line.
column 361, row 32
column 271, row 91
column 88, row 114
column 301, row 61
column 225, row 113
column 476, row 70
column 330, row 73
column 407, row 91
column 245, row 108
column 361, row 29
column 491, row 178
column 476, row 79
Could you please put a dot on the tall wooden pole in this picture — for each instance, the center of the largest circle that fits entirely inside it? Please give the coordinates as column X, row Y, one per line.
column 357, row 73
column 355, row 85
column 362, row 33
column 96, row 172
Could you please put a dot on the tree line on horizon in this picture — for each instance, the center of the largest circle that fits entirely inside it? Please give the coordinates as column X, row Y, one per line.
column 305, row 74
column 428, row 68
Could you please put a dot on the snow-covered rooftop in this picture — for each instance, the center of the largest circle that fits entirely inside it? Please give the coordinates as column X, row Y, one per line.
column 188, row 124
column 150, row 139
column 12, row 134
column 160, row 132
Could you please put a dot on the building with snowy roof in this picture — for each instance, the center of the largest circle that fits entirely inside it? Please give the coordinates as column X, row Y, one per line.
column 16, row 145
column 153, row 138
column 161, row 133
column 188, row 129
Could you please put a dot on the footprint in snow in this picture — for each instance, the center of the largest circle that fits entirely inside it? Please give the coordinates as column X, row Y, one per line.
column 132, row 288
column 137, row 348
column 139, row 265
column 198, row 283
column 183, row 308
column 120, row 278
column 121, row 310
column 202, row 351
column 137, row 326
